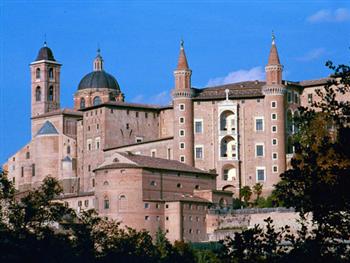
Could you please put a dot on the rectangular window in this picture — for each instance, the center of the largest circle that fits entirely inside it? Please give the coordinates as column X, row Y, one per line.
column 97, row 143
column 259, row 150
column 86, row 203
column 198, row 126
column 22, row 171
column 88, row 143
column 260, row 174
column 106, row 204
column 182, row 158
column 146, row 218
column 274, row 156
column 259, row 124
column 146, row 205
column 169, row 153
column 182, row 145
column 274, row 141
column 182, row 107
column 309, row 98
column 153, row 153
column 289, row 96
column 199, row 152
column 274, row 116
column 273, row 104
column 139, row 139
column 274, row 128
column 33, row 169
column 137, row 114
column 182, row 133
column 182, row 120
column 146, row 115
column 275, row 169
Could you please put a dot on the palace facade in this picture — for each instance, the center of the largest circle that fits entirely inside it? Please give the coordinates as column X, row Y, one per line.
column 159, row 166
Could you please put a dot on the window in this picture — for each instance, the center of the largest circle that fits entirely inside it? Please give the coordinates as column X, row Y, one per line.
column 169, row 153
column 274, row 156
column 123, row 202
column 296, row 98
column 80, row 203
column 182, row 120
column 146, row 205
column 260, row 174
column 153, row 153
column 198, row 126
column 33, row 169
column 139, row 139
column 167, row 218
column 182, row 158
column 89, row 168
column 199, row 152
column 37, row 73
column 182, row 107
column 27, row 155
column 259, row 150
column 166, row 206
column 157, row 206
column 182, row 145
column 82, row 103
column 93, row 182
column 38, row 94
column 137, row 114
column 289, row 96
column 97, row 101
column 22, row 171
column 127, row 126
column 68, row 149
column 179, row 185
column 273, row 104
column 275, row 169
column 146, row 115
column 50, row 94
column 197, row 187
column 274, row 141
column 182, row 133
column 153, row 183
column 86, row 203
column 259, row 124
column 51, row 73
column 89, row 142
column 146, row 218
column 106, row 203
column 309, row 98
column 274, row 128
column 97, row 143
column 274, row 116
column 97, row 126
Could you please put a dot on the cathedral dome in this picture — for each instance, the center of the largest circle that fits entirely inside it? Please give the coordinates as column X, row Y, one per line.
column 98, row 80
column 45, row 53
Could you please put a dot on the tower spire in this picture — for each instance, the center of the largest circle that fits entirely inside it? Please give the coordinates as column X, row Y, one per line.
column 182, row 62
column 273, row 57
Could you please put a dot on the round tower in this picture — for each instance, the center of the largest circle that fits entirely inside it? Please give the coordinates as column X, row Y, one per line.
column 274, row 92
column 183, row 111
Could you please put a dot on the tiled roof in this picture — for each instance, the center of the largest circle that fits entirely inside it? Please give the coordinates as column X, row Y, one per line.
column 60, row 111
column 120, row 104
column 47, row 128
column 314, row 82
column 138, row 143
column 142, row 161
column 245, row 89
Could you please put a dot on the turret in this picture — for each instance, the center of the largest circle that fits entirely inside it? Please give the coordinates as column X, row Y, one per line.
column 183, row 111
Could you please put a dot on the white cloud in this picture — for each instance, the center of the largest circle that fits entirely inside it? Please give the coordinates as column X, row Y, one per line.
column 312, row 55
column 256, row 73
column 327, row 15
column 162, row 98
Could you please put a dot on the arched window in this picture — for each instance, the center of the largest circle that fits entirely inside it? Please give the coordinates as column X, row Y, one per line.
column 51, row 73
column 50, row 94
column 123, row 202
column 38, row 94
column 68, row 149
column 106, row 202
column 37, row 73
column 227, row 121
column 228, row 147
column 82, row 103
column 229, row 173
column 289, row 145
column 97, row 100
column 296, row 121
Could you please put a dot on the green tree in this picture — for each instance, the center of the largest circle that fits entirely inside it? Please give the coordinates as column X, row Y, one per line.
column 246, row 193
column 257, row 189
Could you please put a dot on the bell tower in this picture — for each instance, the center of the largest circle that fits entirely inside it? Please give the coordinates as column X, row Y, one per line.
column 45, row 82
column 183, row 111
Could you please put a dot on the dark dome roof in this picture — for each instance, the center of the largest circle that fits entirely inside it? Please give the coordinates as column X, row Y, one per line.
column 98, row 80
column 45, row 53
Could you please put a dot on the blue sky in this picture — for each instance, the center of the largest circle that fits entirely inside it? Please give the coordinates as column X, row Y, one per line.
column 225, row 41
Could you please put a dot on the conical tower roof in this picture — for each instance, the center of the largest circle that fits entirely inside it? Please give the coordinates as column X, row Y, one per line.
column 182, row 62
column 273, row 57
